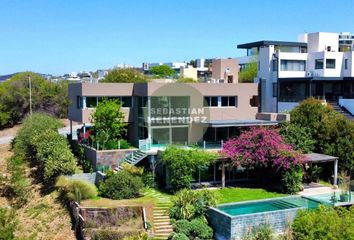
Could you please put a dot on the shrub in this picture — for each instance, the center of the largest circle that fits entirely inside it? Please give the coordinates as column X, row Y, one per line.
column 7, row 224
column 133, row 170
column 261, row 232
column 182, row 163
column 32, row 126
column 324, row 223
column 195, row 229
column 178, row 236
column 74, row 189
column 121, row 185
column 292, row 180
column 53, row 155
column 148, row 179
column 189, row 204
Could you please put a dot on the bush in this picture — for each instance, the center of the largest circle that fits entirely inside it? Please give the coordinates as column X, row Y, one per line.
column 195, row 229
column 7, row 224
column 261, row 232
column 190, row 204
column 53, row 155
column 324, row 223
column 178, row 236
column 121, row 185
column 182, row 163
column 148, row 179
column 76, row 190
column 33, row 126
column 292, row 180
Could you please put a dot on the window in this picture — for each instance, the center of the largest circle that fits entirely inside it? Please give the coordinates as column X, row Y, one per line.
column 293, row 65
column 346, row 63
column 79, row 102
column 206, row 101
column 330, row 63
column 275, row 65
column 233, row 101
column 254, row 101
column 292, row 91
column 126, row 101
column 224, row 101
column 91, row 102
column 275, row 89
column 213, row 101
column 319, row 64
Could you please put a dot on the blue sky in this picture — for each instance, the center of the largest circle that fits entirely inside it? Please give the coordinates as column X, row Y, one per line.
column 72, row 35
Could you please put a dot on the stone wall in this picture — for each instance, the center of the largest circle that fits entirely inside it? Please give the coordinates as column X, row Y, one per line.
column 110, row 158
column 227, row 227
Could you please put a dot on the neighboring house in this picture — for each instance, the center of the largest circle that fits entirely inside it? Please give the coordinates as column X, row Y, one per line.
column 289, row 72
column 224, row 70
column 172, row 113
column 189, row 72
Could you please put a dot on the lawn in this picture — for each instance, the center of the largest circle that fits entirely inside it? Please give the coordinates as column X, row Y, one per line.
column 228, row 195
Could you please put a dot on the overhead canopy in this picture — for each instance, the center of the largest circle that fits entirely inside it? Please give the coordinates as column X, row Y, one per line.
column 241, row 123
column 318, row 158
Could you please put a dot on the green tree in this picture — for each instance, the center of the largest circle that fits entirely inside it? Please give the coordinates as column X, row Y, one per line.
column 299, row 137
column 108, row 122
column 46, row 97
column 334, row 134
column 124, row 75
column 250, row 72
column 182, row 163
column 162, row 71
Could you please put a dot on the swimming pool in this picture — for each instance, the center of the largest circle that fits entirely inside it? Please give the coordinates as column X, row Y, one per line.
column 268, row 206
column 233, row 221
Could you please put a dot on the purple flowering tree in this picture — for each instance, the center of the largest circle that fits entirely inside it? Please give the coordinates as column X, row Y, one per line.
column 262, row 148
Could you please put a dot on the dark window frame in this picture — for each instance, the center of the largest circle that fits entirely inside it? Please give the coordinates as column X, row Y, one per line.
column 319, row 63
column 330, row 65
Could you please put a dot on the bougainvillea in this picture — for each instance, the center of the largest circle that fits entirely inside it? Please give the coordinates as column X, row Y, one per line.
column 262, row 148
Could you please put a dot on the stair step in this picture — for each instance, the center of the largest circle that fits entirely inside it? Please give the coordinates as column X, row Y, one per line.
column 167, row 227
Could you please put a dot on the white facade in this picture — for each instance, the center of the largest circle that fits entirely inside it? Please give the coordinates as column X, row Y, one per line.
column 313, row 61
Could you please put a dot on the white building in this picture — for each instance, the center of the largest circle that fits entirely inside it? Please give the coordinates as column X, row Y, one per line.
column 173, row 65
column 289, row 72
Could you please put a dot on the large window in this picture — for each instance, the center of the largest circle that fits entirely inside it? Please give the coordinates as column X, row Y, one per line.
column 292, row 91
column 91, row 102
column 319, row 64
column 293, row 65
column 330, row 63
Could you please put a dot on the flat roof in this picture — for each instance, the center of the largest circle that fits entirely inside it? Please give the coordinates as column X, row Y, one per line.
column 268, row 42
column 318, row 157
column 241, row 123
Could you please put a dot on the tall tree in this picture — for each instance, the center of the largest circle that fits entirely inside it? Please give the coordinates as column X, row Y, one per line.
column 124, row 75
column 46, row 97
column 250, row 71
column 162, row 71
column 108, row 122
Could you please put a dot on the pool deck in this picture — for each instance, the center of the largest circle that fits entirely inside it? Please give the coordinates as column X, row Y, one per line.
column 317, row 191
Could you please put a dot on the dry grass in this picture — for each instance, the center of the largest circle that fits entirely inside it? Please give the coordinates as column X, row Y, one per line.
column 43, row 217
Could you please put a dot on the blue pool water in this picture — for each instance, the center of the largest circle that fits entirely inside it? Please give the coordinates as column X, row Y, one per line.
column 268, row 206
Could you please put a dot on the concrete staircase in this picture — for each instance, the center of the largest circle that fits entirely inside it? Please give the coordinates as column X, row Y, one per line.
column 133, row 158
column 161, row 218
column 342, row 110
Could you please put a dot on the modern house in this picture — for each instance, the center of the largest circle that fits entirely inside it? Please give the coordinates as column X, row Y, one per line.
column 175, row 113
column 289, row 72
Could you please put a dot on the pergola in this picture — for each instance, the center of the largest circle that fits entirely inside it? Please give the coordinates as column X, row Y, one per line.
column 321, row 158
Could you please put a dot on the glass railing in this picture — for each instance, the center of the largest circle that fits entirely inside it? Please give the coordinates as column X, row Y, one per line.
column 146, row 145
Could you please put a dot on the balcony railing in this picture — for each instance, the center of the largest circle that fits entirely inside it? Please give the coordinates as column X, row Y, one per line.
column 147, row 145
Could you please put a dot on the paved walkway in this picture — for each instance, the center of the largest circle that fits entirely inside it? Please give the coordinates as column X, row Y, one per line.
column 161, row 218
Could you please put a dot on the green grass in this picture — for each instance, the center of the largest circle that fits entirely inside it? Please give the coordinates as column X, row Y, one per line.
column 229, row 195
